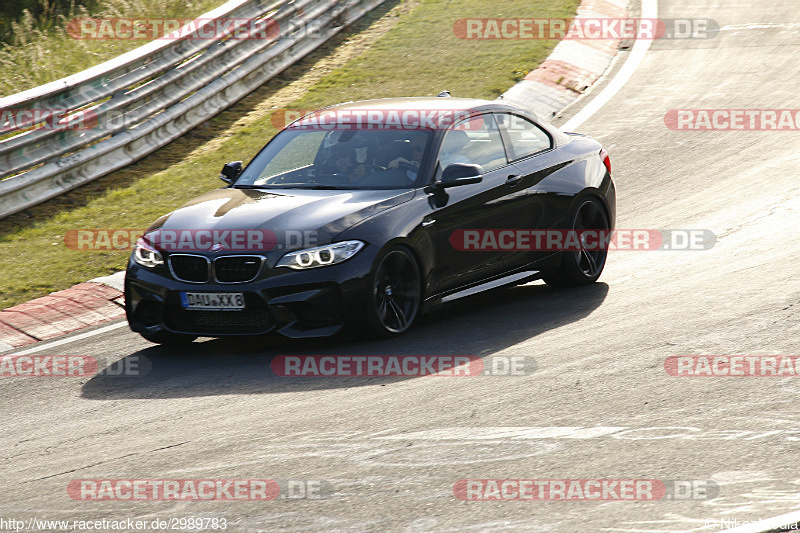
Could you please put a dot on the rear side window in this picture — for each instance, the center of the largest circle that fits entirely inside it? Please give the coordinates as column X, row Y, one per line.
column 525, row 137
column 474, row 141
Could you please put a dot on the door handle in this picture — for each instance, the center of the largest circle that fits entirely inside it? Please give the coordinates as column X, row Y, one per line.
column 513, row 180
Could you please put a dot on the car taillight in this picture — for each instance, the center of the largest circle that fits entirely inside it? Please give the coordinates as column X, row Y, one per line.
column 606, row 159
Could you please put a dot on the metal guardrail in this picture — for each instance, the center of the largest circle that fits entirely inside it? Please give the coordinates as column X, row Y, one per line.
column 133, row 105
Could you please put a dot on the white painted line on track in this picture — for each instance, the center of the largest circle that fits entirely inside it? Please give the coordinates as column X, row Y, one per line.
column 770, row 524
column 45, row 345
column 640, row 48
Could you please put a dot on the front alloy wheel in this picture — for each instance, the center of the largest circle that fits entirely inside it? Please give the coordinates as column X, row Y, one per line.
column 396, row 290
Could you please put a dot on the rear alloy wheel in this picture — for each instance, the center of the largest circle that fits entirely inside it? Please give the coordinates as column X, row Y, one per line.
column 168, row 338
column 396, row 293
column 583, row 266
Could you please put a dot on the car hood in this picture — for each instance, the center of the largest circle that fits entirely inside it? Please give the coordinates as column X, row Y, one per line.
column 281, row 211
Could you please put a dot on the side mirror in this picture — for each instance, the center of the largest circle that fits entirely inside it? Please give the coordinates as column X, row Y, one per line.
column 460, row 174
column 231, row 171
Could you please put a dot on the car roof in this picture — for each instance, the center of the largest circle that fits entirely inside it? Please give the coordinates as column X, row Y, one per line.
column 439, row 104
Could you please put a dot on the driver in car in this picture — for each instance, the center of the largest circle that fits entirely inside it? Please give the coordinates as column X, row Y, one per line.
column 417, row 147
column 345, row 164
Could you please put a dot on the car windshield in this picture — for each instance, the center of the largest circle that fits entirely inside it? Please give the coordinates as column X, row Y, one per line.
column 340, row 159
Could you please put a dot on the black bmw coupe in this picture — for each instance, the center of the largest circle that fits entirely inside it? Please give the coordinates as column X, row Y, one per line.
column 368, row 213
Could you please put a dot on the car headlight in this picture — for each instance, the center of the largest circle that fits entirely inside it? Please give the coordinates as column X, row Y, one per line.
column 146, row 255
column 321, row 256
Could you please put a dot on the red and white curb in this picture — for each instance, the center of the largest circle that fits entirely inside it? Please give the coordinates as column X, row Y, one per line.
column 571, row 68
column 87, row 304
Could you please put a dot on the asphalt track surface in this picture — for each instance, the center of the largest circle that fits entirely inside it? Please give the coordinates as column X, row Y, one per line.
column 389, row 451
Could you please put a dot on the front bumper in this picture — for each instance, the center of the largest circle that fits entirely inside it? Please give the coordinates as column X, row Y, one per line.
column 312, row 303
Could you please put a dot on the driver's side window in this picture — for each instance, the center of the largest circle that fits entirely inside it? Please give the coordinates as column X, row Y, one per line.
column 474, row 141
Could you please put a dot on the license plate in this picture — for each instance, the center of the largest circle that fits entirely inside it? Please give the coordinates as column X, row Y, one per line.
column 213, row 301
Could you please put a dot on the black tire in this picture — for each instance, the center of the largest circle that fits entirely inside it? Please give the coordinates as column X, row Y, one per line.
column 395, row 293
column 168, row 338
column 584, row 266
